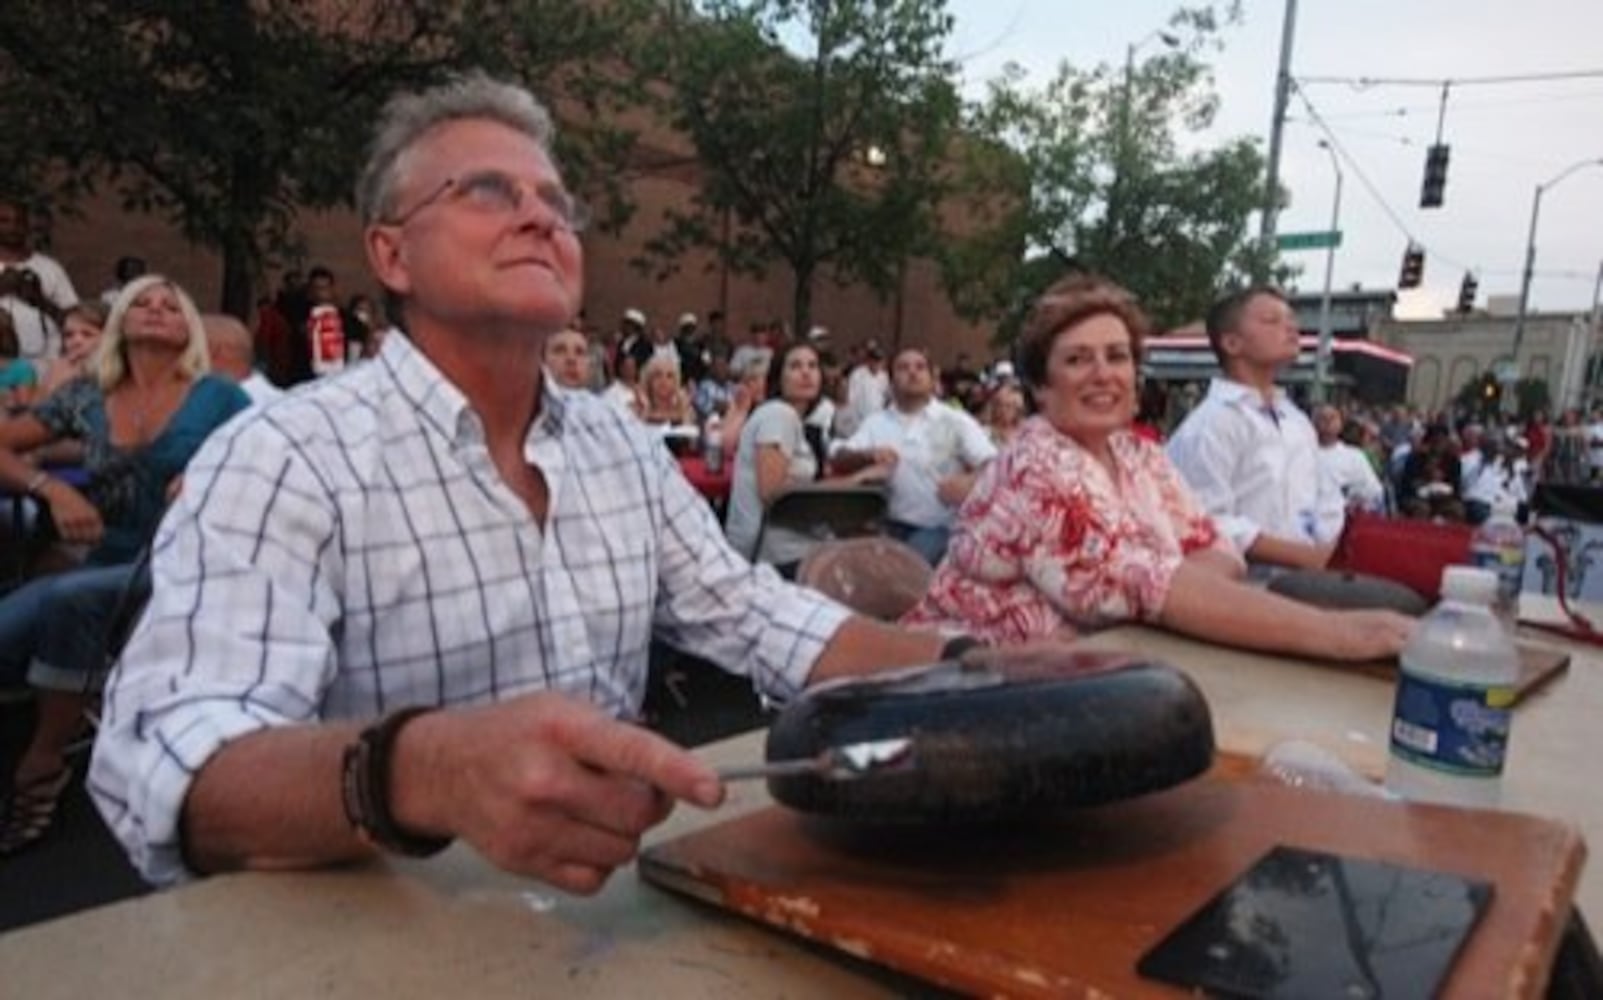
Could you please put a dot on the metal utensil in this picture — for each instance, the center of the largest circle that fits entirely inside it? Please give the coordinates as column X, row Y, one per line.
column 853, row 760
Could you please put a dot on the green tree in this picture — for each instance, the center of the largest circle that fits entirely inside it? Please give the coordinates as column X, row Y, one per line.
column 1098, row 179
column 820, row 127
column 228, row 118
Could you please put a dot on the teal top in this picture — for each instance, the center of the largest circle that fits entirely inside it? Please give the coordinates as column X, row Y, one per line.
column 129, row 485
column 16, row 373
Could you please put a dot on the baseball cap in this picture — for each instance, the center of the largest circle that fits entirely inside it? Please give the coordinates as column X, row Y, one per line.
column 687, row 319
column 634, row 316
column 818, row 333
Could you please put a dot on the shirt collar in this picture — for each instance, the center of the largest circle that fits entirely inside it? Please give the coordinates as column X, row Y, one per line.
column 1231, row 391
column 440, row 403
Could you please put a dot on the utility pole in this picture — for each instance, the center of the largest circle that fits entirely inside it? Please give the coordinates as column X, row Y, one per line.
column 1322, row 358
column 1509, row 403
column 1277, row 126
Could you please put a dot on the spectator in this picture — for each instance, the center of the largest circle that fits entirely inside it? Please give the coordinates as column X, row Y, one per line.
column 567, row 359
column 18, row 378
column 776, row 453
column 1353, row 474
column 1079, row 524
column 748, row 394
column 625, row 393
column 81, row 329
column 34, row 290
column 1432, row 478
column 1248, row 453
column 146, row 408
column 1004, row 414
column 333, row 335
column 1471, row 456
column 933, row 453
column 458, row 541
column 1503, row 479
column 713, row 392
column 868, row 390
column 228, row 345
column 663, row 396
column 126, row 270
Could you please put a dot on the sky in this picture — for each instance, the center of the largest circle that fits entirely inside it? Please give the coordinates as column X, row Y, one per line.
column 1506, row 139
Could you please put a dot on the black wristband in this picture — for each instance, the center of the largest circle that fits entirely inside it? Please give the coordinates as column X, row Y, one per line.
column 957, row 645
column 365, row 788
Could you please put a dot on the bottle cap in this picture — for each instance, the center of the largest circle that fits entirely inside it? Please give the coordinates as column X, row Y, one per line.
column 1469, row 584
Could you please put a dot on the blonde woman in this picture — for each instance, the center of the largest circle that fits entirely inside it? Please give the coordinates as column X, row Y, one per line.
column 665, row 400
column 1004, row 413
column 143, row 408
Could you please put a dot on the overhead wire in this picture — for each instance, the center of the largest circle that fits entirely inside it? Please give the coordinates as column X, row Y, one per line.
column 1363, row 178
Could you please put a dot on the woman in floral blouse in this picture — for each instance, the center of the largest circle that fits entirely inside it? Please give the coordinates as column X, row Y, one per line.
column 1079, row 524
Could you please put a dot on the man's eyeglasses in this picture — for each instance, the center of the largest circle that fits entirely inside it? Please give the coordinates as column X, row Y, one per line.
column 496, row 193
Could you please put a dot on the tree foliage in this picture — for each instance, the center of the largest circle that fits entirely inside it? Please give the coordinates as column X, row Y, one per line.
column 820, row 127
column 1098, row 177
column 228, row 118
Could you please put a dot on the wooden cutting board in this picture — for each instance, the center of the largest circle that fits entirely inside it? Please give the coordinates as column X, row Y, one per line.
column 1067, row 909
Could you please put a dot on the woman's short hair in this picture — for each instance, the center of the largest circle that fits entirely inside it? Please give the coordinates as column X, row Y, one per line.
column 1071, row 301
column 776, row 372
column 109, row 363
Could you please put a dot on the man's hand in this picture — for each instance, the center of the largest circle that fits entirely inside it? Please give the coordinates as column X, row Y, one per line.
column 75, row 517
column 543, row 785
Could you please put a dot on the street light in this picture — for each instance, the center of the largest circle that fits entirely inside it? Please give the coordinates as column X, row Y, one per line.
column 1322, row 358
column 1509, row 403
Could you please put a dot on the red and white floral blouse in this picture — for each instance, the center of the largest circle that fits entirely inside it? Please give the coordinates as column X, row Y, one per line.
column 1050, row 543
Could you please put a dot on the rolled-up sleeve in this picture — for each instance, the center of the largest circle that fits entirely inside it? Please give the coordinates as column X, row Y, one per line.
column 236, row 637
column 714, row 604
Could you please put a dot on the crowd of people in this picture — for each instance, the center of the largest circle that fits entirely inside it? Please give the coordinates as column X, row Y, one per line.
column 412, row 601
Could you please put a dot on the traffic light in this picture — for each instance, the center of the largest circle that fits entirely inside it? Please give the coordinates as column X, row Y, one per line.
column 1413, row 273
column 1430, row 194
column 1466, row 292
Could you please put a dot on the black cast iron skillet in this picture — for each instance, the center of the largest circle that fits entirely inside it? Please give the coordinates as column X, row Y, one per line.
column 996, row 738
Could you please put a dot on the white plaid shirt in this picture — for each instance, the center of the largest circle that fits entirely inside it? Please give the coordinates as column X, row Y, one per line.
column 351, row 549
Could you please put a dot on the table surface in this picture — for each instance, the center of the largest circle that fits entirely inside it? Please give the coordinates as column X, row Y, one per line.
column 454, row 925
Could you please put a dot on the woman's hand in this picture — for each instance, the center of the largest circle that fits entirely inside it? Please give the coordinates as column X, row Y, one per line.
column 76, row 518
column 1367, row 635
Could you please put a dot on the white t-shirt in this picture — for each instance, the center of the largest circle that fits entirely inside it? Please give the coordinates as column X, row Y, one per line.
column 1594, row 445
column 775, row 422
column 931, row 444
column 37, row 334
column 867, row 392
column 1354, row 476
column 1255, row 467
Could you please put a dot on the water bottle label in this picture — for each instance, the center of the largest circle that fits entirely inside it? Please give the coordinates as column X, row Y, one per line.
column 1505, row 561
column 1460, row 729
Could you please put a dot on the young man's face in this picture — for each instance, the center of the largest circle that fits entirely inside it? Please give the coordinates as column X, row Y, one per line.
column 1266, row 334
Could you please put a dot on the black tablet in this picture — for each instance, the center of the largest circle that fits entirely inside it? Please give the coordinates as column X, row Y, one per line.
column 1309, row 925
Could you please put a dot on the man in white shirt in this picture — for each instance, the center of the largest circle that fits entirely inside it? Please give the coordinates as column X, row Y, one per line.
column 228, row 344
column 1354, row 475
column 868, row 390
column 34, row 290
column 440, row 540
column 934, row 452
column 1249, row 454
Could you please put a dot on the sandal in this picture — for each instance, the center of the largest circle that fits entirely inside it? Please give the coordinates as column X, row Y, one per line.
column 30, row 811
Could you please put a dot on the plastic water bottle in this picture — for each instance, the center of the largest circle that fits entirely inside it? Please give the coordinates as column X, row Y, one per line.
column 712, row 444
column 1499, row 546
column 1450, row 727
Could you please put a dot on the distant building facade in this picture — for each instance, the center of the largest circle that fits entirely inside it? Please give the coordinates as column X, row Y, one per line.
column 1451, row 352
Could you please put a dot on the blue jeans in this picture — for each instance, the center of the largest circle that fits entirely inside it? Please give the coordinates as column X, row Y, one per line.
column 54, row 630
column 928, row 542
